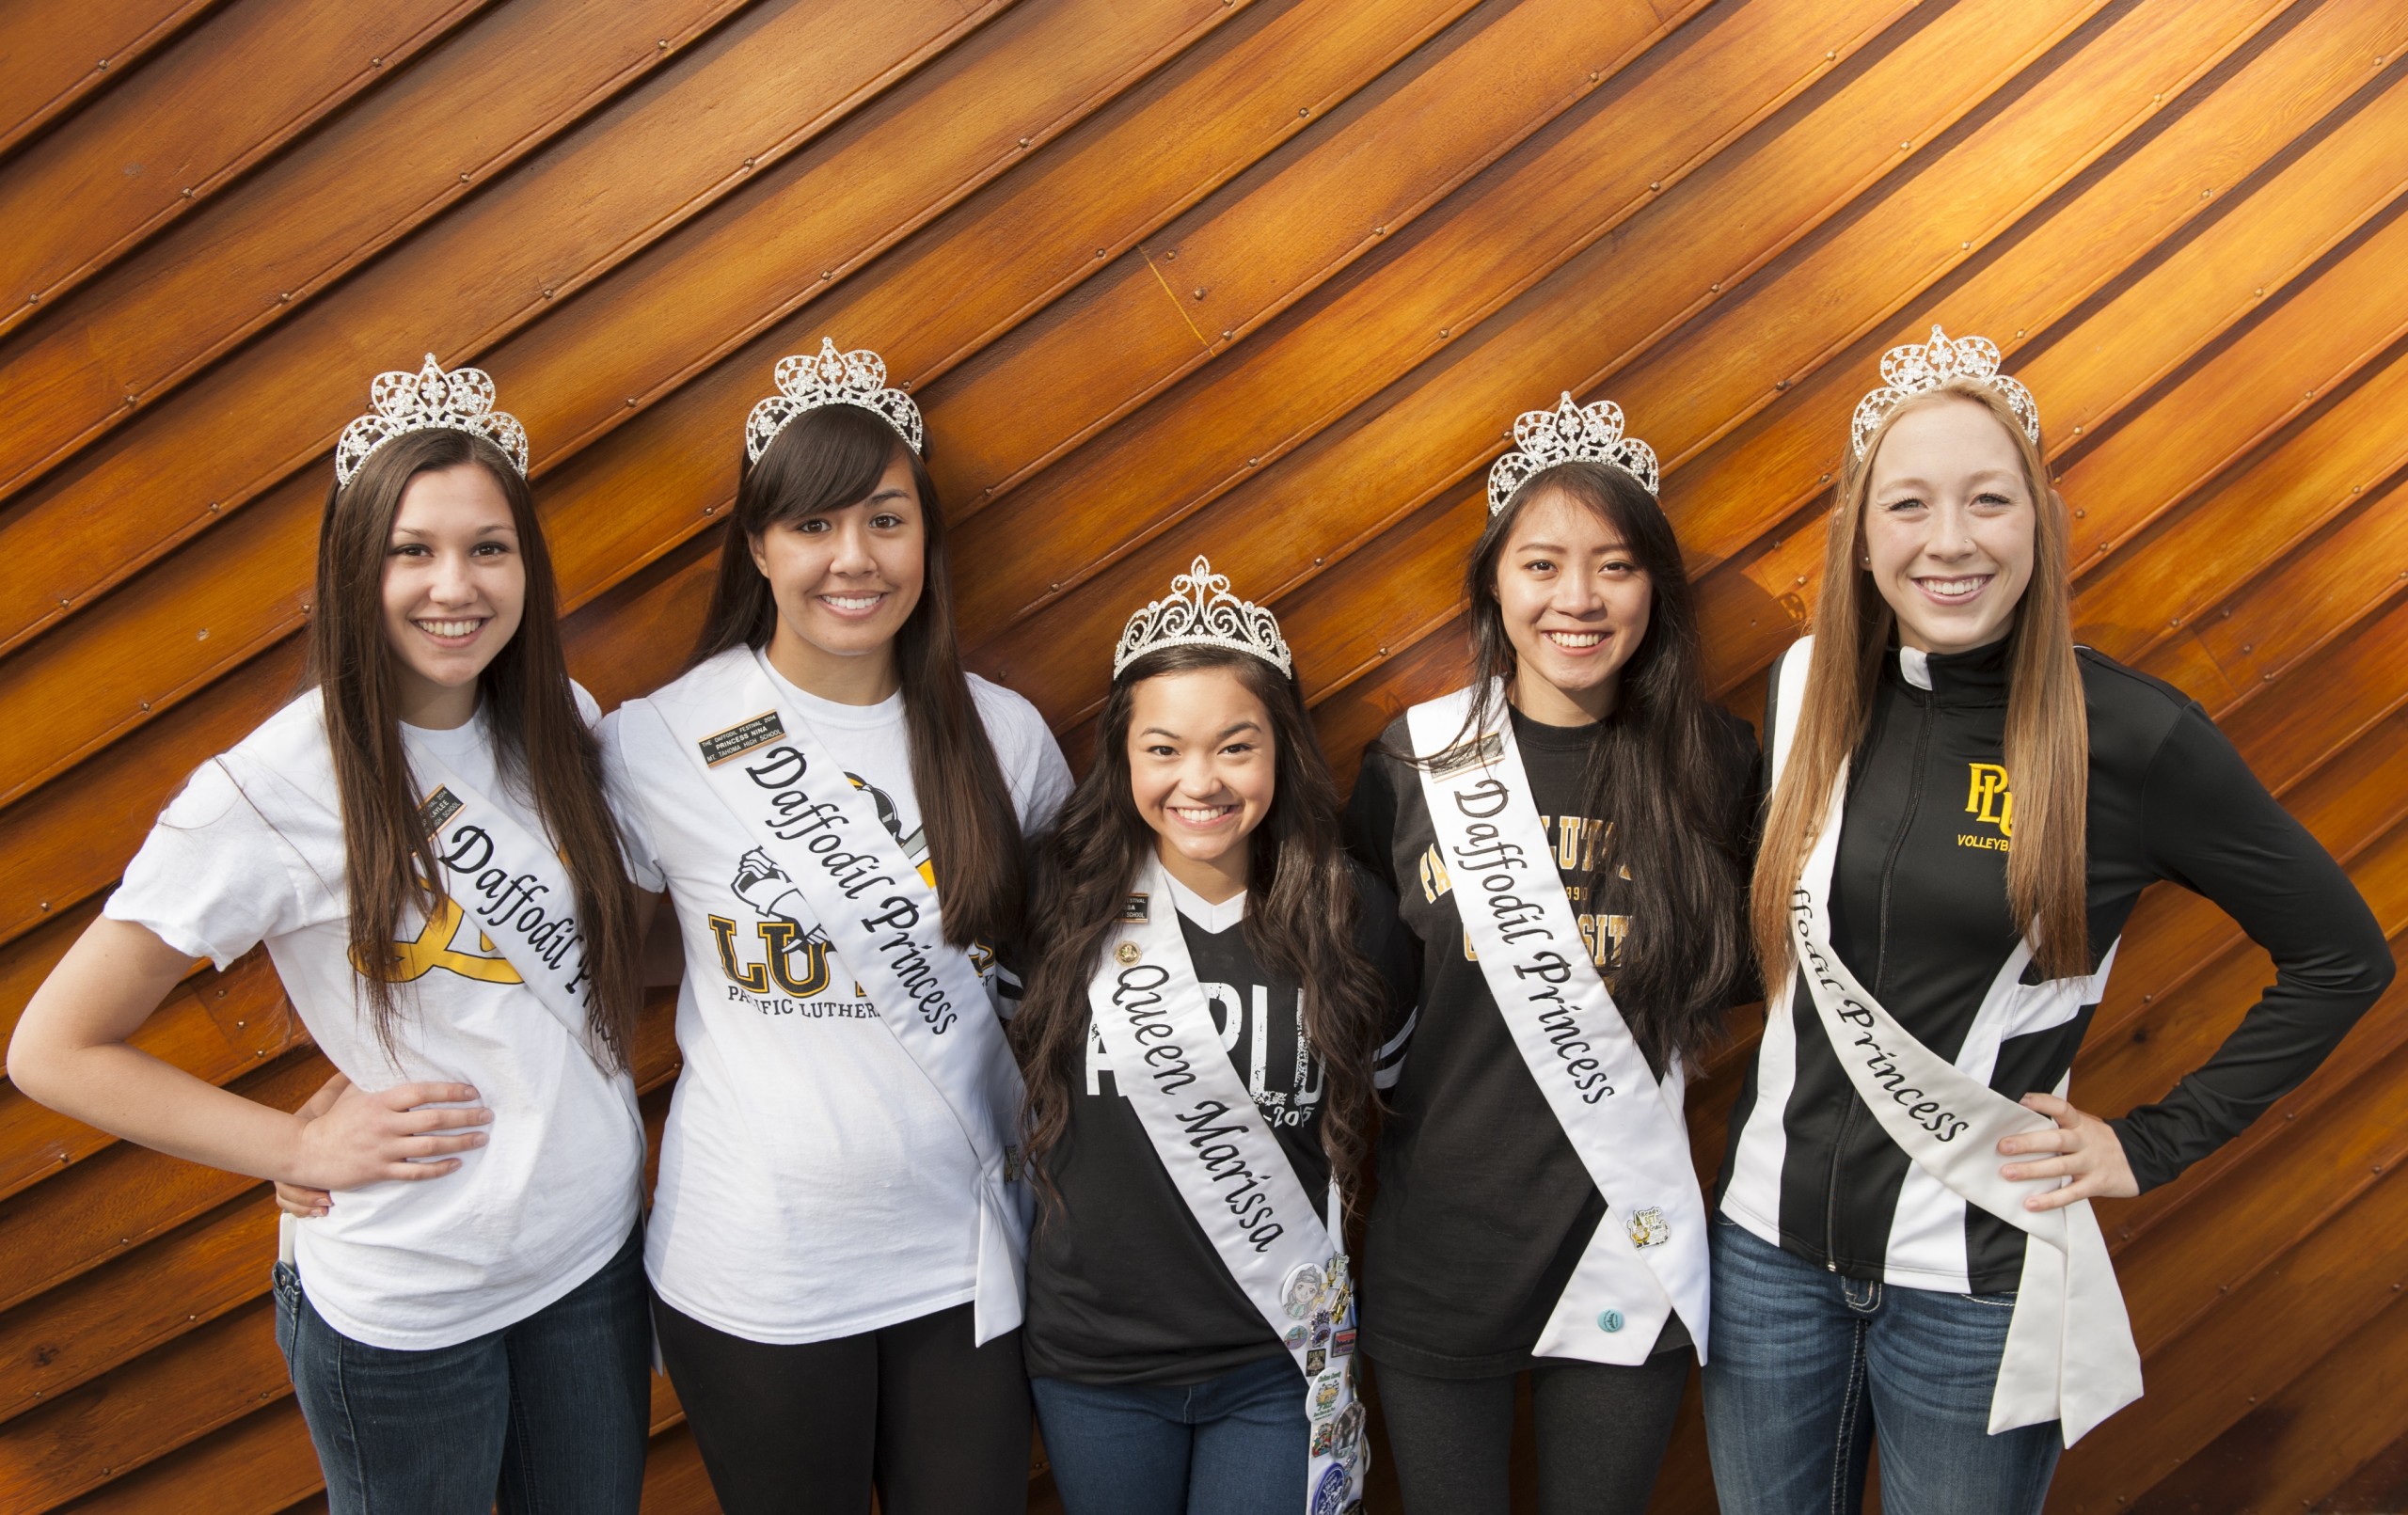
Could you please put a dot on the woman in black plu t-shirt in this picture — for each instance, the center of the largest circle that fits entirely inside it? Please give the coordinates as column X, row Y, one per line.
column 1160, row 1381
column 1583, row 629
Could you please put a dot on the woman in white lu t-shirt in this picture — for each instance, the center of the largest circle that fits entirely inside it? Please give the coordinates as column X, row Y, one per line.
column 830, row 1300
column 472, row 1175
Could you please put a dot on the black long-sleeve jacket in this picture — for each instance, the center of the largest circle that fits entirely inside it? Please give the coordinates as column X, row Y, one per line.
column 1918, row 914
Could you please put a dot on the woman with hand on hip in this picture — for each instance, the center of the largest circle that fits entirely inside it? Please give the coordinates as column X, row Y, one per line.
column 1567, row 836
column 835, row 809
column 1965, row 807
column 423, row 845
column 1213, row 984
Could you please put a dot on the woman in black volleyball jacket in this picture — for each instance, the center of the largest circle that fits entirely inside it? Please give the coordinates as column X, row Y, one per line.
column 1537, row 1209
column 1965, row 809
column 1213, row 984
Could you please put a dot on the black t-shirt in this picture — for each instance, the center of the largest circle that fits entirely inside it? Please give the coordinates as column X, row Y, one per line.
column 1483, row 1208
column 1123, row 1285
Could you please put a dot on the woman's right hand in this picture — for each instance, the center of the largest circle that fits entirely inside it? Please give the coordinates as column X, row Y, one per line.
column 406, row 1132
column 298, row 1200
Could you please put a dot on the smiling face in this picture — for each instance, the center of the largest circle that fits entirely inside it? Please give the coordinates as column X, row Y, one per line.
column 1575, row 604
column 1949, row 517
column 455, row 588
column 1202, row 768
column 845, row 581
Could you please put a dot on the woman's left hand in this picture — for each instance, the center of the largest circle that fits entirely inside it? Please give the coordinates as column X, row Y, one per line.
column 2088, row 1151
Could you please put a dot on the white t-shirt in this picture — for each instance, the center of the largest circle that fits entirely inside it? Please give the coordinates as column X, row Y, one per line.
column 554, row 1193
column 814, row 1183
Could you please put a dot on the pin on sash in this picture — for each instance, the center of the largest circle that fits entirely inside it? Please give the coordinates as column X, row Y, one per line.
column 741, row 739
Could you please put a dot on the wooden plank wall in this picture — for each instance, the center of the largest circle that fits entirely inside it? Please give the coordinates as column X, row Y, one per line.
column 1267, row 279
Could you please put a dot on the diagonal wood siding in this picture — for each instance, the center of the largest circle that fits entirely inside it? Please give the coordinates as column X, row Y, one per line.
column 1263, row 277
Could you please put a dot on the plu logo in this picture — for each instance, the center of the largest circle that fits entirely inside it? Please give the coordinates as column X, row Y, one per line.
column 1990, row 802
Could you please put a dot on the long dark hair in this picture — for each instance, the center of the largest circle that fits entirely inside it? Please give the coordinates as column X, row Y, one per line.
column 825, row 460
column 1301, row 914
column 1655, row 766
column 542, row 747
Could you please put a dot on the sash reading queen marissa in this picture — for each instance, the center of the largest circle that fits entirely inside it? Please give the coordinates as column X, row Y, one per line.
column 2070, row 1353
column 1648, row 1257
column 1168, row 1059
column 792, row 797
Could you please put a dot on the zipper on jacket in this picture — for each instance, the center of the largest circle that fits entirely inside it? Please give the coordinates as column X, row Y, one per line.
column 1880, row 961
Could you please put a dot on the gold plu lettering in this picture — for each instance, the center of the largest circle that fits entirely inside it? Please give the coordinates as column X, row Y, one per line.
column 1566, row 831
column 1433, row 874
column 1989, row 800
column 409, row 961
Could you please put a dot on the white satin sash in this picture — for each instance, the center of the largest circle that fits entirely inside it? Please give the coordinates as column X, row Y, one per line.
column 1222, row 1156
column 515, row 886
column 2070, row 1353
column 1647, row 1260
column 791, row 795
column 510, row 880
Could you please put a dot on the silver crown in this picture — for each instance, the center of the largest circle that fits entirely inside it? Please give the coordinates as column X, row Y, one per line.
column 1913, row 369
column 1569, row 432
column 400, row 403
column 830, row 378
column 1201, row 612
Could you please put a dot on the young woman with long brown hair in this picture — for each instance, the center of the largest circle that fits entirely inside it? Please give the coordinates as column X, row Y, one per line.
column 835, row 809
column 423, row 845
column 1213, row 985
column 1966, row 806
column 1537, row 1209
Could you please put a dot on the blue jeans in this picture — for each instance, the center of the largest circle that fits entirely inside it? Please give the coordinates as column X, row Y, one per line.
column 1808, row 1368
column 550, row 1414
column 1236, row 1444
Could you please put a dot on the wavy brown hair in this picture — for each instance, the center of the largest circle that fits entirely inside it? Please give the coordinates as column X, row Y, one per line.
column 542, row 747
column 1658, row 766
column 2048, row 725
column 825, row 460
column 1301, row 917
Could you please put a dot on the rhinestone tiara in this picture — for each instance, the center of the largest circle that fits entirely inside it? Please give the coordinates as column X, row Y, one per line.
column 830, row 378
column 1201, row 612
column 1569, row 432
column 1914, row 368
column 400, row 403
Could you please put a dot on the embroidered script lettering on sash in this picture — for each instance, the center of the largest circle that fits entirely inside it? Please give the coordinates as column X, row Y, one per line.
column 792, row 815
column 507, row 903
column 1489, row 863
column 1220, row 1157
column 1877, row 1060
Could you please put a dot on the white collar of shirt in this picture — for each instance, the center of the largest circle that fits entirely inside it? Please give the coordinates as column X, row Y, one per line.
column 1915, row 664
column 1215, row 919
column 454, row 741
column 821, row 712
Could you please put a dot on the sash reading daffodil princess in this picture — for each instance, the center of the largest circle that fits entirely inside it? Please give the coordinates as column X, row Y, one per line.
column 423, row 846
column 835, row 808
column 1215, row 984
column 1567, row 836
column 1965, row 807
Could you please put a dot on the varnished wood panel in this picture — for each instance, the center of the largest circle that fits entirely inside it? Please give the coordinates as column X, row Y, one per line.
column 1263, row 278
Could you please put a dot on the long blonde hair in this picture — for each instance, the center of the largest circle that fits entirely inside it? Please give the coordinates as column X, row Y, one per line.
column 2048, row 727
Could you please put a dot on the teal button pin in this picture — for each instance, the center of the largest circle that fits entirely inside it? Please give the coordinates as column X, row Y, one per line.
column 1610, row 1320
